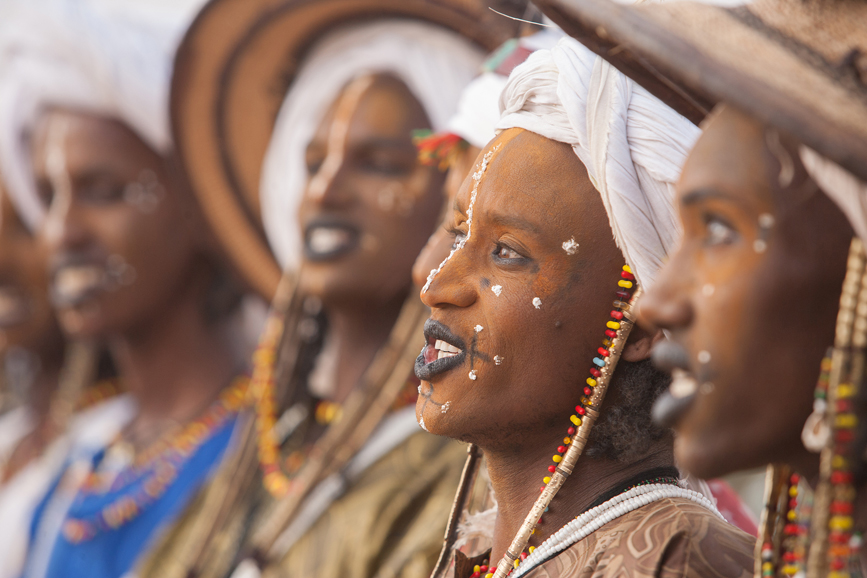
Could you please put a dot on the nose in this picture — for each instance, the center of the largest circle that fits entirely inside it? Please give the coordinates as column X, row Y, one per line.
column 64, row 227
column 667, row 303
column 451, row 285
column 327, row 187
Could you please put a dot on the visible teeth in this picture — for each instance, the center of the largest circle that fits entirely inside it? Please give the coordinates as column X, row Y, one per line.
column 73, row 281
column 682, row 385
column 326, row 240
column 445, row 349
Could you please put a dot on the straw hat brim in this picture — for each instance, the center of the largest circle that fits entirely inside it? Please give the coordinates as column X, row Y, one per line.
column 232, row 72
column 792, row 64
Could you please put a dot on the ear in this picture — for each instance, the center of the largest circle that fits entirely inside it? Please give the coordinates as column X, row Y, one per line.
column 640, row 343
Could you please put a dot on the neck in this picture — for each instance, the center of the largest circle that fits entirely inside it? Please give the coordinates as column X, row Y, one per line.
column 359, row 332
column 174, row 365
column 517, row 477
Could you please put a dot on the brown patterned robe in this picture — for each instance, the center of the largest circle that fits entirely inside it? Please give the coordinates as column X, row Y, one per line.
column 669, row 538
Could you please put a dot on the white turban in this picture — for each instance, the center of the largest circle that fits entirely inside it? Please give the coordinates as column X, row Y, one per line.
column 632, row 144
column 435, row 64
column 67, row 53
column 478, row 109
column 844, row 188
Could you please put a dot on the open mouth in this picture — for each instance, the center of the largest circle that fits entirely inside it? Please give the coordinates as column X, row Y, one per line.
column 72, row 285
column 14, row 307
column 443, row 351
column 326, row 240
column 673, row 404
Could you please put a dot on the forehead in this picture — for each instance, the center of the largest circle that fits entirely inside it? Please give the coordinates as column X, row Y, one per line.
column 537, row 178
column 730, row 159
column 375, row 106
column 87, row 140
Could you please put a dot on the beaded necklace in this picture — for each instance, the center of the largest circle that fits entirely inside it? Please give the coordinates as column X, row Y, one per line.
column 159, row 466
column 586, row 412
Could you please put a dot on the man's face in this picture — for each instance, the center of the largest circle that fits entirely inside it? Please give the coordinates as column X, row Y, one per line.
column 749, row 300
column 121, row 238
column 369, row 205
column 523, row 315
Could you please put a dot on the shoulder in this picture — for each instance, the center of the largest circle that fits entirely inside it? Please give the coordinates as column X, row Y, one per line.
column 672, row 537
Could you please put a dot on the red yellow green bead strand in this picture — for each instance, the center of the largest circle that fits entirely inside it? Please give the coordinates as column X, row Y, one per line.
column 617, row 331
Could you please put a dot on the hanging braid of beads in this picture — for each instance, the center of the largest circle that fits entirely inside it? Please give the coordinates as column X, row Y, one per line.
column 441, row 148
column 833, row 549
column 586, row 413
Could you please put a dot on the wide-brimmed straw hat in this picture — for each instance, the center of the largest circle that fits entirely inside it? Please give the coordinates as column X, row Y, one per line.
column 232, row 73
column 798, row 65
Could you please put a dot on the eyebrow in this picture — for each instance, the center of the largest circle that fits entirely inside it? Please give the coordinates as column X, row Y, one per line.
column 704, row 194
column 515, row 222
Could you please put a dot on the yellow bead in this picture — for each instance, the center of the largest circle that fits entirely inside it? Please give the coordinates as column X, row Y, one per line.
column 838, row 462
column 517, row 562
column 627, row 269
column 845, row 390
column 790, row 570
column 840, row 522
column 489, row 575
column 546, row 479
column 792, row 515
column 477, row 568
column 767, row 566
column 613, row 325
column 846, row 421
column 835, row 574
column 591, row 382
column 532, row 549
column 567, row 441
column 557, row 459
column 625, row 284
column 793, row 491
column 575, row 419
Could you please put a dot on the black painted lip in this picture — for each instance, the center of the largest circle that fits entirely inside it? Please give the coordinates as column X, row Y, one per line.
column 330, row 223
column 434, row 330
column 668, row 410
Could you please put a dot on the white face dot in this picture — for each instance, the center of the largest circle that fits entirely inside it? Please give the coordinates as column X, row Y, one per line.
column 766, row 220
column 570, row 246
column 478, row 328
column 498, row 360
column 759, row 246
column 537, row 303
column 703, row 356
column 497, row 289
column 708, row 290
column 473, row 375
column 445, row 407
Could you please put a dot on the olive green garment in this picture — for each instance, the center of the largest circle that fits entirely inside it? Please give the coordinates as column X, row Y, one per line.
column 390, row 522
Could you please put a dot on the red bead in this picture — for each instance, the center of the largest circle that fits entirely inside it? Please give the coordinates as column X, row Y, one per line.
column 587, row 391
column 523, row 555
column 561, row 449
column 789, row 557
column 542, row 489
column 838, row 537
column 571, row 431
column 618, row 315
column 837, row 564
column 793, row 503
column 580, row 411
column 841, row 507
column 844, row 406
column 841, row 478
column 595, row 372
column 794, row 479
column 624, row 295
column 483, row 568
column 611, row 333
column 603, row 352
column 627, row 275
column 552, row 469
column 844, row 435
column 791, row 529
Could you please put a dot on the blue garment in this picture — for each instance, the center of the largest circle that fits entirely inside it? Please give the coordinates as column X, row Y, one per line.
column 112, row 553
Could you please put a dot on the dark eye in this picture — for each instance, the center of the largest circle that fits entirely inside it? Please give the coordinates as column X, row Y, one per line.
column 506, row 253
column 101, row 192
column 719, row 232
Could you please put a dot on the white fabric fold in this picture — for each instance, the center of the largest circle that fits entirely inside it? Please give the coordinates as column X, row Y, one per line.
column 68, row 53
column 435, row 64
column 632, row 144
column 844, row 188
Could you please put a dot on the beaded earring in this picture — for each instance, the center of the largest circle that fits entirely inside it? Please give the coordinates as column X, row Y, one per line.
column 833, row 550
column 586, row 413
